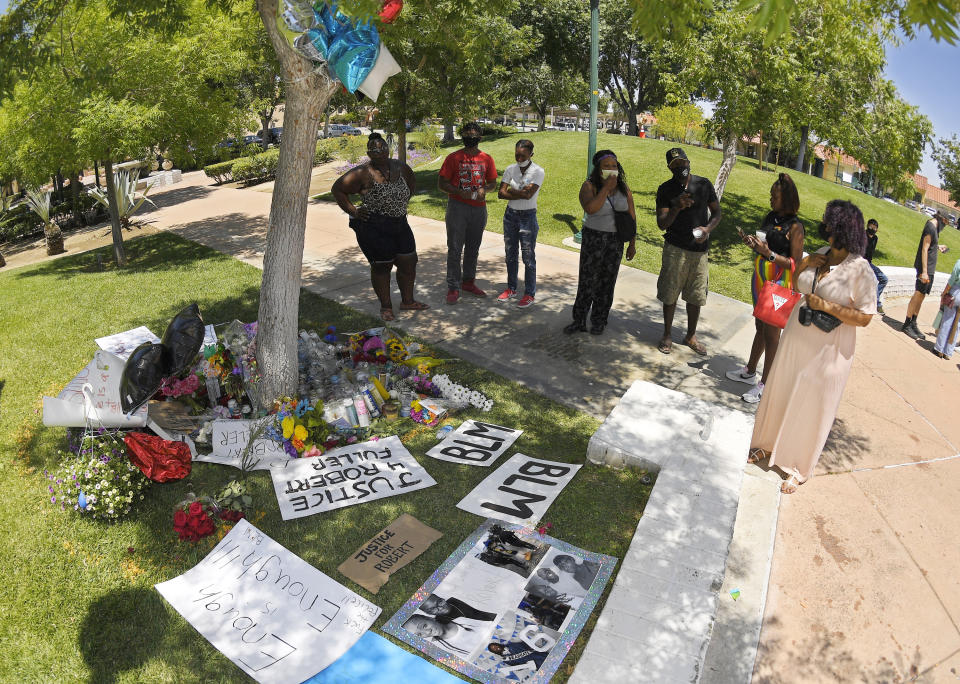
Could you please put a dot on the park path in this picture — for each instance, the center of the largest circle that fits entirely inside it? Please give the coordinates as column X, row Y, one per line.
column 863, row 584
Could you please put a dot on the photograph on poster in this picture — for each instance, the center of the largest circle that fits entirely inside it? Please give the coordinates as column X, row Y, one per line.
column 502, row 548
column 480, row 618
column 517, row 648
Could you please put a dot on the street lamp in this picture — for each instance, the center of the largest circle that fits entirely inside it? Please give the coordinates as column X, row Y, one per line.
column 594, row 91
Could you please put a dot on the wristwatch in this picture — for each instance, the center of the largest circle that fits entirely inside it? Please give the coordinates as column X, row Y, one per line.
column 771, row 257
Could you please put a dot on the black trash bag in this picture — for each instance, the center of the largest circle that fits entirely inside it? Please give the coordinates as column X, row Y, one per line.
column 183, row 338
column 143, row 374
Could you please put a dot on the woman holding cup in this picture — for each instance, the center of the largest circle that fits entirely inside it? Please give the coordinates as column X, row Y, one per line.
column 779, row 247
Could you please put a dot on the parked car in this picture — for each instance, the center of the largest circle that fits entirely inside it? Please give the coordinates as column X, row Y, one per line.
column 252, row 139
column 336, row 130
column 910, row 204
column 929, row 211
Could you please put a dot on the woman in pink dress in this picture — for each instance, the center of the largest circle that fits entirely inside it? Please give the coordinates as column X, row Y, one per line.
column 813, row 362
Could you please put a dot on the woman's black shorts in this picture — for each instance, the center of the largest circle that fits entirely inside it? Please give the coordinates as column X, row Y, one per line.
column 382, row 238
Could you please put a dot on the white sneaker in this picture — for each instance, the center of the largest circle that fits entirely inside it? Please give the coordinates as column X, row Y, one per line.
column 740, row 374
column 752, row 395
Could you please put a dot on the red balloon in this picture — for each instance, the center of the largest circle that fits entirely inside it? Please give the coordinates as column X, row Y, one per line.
column 159, row 459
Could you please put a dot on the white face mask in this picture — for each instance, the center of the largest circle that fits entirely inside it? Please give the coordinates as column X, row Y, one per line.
column 606, row 173
column 524, row 165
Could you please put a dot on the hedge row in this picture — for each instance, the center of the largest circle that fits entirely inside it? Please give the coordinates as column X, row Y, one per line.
column 263, row 166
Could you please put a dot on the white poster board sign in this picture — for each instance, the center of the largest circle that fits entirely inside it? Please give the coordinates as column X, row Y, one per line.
column 520, row 491
column 475, row 443
column 274, row 615
column 100, row 405
column 350, row 475
column 122, row 344
column 229, row 438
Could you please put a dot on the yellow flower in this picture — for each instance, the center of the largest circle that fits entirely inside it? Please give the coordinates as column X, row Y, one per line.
column 300, row 433
column 287, row 427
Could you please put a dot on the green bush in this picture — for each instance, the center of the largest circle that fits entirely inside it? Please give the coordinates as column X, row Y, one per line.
column 244, row 170
column 352, row 148
column 221, row 172
column 258, row 168
column 429, row 140
column 325, row 151
column 19, row 222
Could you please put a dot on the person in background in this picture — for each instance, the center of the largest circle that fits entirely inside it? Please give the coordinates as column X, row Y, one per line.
column 466, row 175
column 603, row 192
column 816, row 352
column 520, row 186
column 925, row 264
column 947, row 327
column 687, row 210
column 778, row 253
column 872, row 228
column 380, row 222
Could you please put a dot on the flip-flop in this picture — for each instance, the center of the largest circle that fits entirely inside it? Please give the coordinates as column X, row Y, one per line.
column 386, row 314
column 414, row 306
column 665, row 346
column 696, row 346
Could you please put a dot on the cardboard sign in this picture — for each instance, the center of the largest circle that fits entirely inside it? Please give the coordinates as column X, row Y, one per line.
column 391, row 548
column 122, row 344
column 350, row 475
column 99, row 404
column 375, row 660
column 275, row 616
column 475, row 443
column 520, row 491
column 506, row 606
column 230, row 437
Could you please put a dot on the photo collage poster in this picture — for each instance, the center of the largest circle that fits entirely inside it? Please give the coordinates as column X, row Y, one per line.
column 506, row 606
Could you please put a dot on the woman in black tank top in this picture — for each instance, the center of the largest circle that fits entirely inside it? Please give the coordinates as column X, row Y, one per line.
column 777, row 254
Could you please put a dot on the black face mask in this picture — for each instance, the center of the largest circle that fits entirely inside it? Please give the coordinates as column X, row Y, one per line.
column 680, row 175
column 871, row 233
column 471, row 141
column 824, row 232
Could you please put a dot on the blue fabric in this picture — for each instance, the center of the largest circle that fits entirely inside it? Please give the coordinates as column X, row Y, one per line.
column 375, row 660
column 943, row 345
column 520, row 230
column 350, row 47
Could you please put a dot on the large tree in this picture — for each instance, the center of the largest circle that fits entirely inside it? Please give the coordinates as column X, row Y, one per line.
column 634, row 72
column 947, row 155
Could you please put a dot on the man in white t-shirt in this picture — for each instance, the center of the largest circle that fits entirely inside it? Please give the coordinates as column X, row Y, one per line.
column 521, row 185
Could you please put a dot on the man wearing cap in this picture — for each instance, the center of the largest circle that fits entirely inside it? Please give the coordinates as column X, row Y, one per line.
column 926, row 266
column 688, row 210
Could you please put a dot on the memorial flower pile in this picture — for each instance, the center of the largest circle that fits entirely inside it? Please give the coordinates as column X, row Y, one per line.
column 98, row 480
column 300, row 427
column 197, row 517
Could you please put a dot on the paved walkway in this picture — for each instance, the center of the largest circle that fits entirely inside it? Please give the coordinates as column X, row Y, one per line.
column 863, row 585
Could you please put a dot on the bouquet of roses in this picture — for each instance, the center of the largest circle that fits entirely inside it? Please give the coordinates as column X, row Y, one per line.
column 98, row 480
column 193, row 521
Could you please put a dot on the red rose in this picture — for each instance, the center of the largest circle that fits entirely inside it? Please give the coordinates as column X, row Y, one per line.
column 206, row 528
column 179, row 519
column 195, row 508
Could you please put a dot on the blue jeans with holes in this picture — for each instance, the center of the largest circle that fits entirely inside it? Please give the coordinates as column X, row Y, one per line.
column 881, row 281
column 520, row 235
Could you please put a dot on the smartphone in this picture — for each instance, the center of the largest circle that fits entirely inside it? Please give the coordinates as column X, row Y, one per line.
column 740, row 232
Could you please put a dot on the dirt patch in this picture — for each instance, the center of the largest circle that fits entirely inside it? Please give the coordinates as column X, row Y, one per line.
column 76, row 242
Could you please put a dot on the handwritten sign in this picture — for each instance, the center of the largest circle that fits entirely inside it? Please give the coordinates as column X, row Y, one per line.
column 230, row 437
column 350, row 475
column 390, row 549
column 99, row 404
column 520, row 491
column 122, row 344
column 275, row 616
column 475, row 443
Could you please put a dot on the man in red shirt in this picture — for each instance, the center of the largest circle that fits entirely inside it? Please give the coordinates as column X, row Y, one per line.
column 467, row 175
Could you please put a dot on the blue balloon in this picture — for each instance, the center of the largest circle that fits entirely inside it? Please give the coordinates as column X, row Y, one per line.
column 349, row 47
column 82, row 501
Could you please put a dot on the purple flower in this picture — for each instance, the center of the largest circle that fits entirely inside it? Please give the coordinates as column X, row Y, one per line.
column 53, row 499
column 50, row 488
column 291, row 451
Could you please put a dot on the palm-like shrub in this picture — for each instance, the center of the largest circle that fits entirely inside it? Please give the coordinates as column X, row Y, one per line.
column 128, row 198
column 39, row 202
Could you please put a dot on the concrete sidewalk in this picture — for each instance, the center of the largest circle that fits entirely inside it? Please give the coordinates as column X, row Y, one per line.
column 863, row 584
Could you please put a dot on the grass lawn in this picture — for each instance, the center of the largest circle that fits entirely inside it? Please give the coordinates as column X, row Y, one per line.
column 745, row 202
column 79, row 602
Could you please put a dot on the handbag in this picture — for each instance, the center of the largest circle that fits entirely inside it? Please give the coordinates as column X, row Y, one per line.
column 775, row 303
column 626, row 225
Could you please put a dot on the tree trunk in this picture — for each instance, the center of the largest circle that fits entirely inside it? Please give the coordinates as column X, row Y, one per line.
column 326, row 122
column 118, row 254
column 632, row 122
column 760, row 151
column 448, row 136
column 96, row 174
column 267, row 135
column 402, row 143
column 75, row 196
column 726, row 168
column 308, row 90
column 804, row 132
